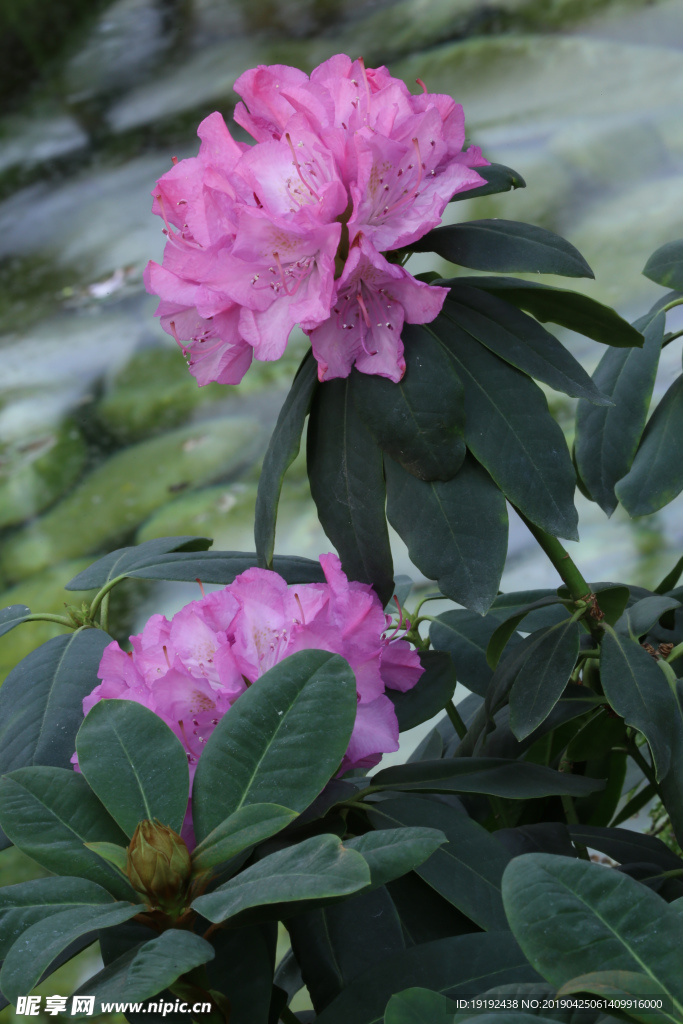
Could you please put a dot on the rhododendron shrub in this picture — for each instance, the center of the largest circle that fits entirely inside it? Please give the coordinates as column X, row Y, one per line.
column 347, row 165
column 230, row 786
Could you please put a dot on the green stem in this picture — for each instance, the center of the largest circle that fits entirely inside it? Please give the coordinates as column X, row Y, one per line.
column 671, row 337
column 642, row 764
column 104, row 613
column 573, row 819
column 675, row 653
column 568, row 571
column 674, row 302
column 100, row 596
column 48, row 617
column 456, row 719
column 287, row 1016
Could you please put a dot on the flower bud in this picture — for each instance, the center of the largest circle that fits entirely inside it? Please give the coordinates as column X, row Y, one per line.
column 159, row 865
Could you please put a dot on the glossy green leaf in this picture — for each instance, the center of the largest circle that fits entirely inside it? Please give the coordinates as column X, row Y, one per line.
column 425, row 436
column 671, row 578
column 24, row 904
column 243, row 971
column 511, row 433
column 656, row 476
column 123, row 561
column 519, row 340
column 262, row 748
column 495, row 776
column 607, row 438
column 393, row 852
column 612, row 602
column 13, row 616
column 456, row 531
column 317, row 868
column 113, row 854
column 49, row 813
column 338, row 942
column 604, row 914
column 539, row 685
column 43, row 941
column 246, row 827
column 148, row 969
column 505, row 246
column 638, row 691
column 462, row 965
column 347, row 484
column 41, row 700
column 642, row 615
column 217, row 567
column 618, row 985
column 134, row 763
column 498, row 178
column 282, row 450
column 502, row 634
column 465, row 637
column 560, row 306
column 665, row 266
column 433, row 690
column 466, row 871
column 419, row 1006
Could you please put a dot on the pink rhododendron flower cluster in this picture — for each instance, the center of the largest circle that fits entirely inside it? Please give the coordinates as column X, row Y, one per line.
column 189, row 671
column 347, row 165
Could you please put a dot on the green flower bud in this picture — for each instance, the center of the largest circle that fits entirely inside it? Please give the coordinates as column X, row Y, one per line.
column 159, row 866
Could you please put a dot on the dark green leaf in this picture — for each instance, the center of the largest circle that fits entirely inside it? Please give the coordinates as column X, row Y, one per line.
column 627, row 846
column 638, row 691
column 496, row 776
column 336, row 943
column 612, row 602
column 13, row 616
column 434, row 689
column 642, row 615
column 607, row 438
column 243, row 971
column 149, row 968
column 520, row 341
column 656, row 476
column 123, row 561
column 617, row 985
column 425, row 436
column 539, row 685
column 419, row 1006
column 456, row 531
column 317, row 868
column 134, row 763
column 509, row 430
column 393, row 852
column 24, row 904
column 505, row 246
column 665, row 266
column 671, row 578
column 246, row 827
column 347, row 484
column 282, row 450
column 41, row 700
column 465, row 636
column 498, row 177
column 467, row 870
column 49, row 813
column 463, row 965
column 44, row 940
column 501, row 635
column 600, row 910
column 215, row 567
column 261, row 749
column 559, row 306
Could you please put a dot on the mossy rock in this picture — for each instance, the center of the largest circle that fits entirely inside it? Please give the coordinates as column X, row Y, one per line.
column 43, row 592
column 116, row 497
column 217, row 512
column 153, row 393
column 37, row 471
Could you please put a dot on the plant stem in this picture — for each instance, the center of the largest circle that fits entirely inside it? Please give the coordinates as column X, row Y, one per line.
column 456, row 719
column 568, row 571
column 642, row 764
column 101, row 594
column 573, row 819
column 674, row 302
column 675, row 653
column 287, row 1016
column 48, row 617
column 104, row 613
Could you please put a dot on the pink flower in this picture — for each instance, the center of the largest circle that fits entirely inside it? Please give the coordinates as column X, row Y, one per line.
column 265, row 237
column 190, row 671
